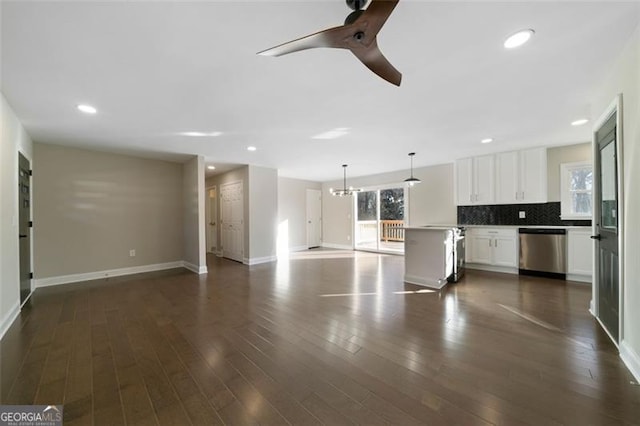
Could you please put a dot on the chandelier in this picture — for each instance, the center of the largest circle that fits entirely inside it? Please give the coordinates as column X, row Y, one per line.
column 344, row 191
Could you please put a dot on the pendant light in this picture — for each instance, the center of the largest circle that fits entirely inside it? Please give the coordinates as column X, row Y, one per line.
column 344, row 191
column 412, row 180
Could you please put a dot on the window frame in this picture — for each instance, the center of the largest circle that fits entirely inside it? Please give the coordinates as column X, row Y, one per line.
column 566, row 203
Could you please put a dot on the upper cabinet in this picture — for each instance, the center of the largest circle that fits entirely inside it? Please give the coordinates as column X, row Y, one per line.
column 521, row 176
column 475, row 183
column 506, row 178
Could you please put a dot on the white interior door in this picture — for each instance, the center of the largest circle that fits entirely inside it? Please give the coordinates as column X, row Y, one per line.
column 232, row 220
column 212, row 220
column 314, row 218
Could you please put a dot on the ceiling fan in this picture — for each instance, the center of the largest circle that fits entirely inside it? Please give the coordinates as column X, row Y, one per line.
column 358, row 34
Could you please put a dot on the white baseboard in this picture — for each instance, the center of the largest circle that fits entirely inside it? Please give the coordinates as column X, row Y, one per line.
column 298, row 248
column 74, row 278
column 9, row 318
column 425, row 282
column 631, row 359
column 579, row 278
column 194, row 268
column 337, row 246
column 258, row 260
column 491, row 268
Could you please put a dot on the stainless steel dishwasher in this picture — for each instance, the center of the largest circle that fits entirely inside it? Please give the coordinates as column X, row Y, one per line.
column 543, row 252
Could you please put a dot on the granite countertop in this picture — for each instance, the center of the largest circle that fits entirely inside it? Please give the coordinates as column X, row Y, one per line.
column 527, row 226
column 449, row 226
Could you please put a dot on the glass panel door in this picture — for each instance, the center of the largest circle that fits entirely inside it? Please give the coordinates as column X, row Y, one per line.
column 367, row 220
column 379, row 221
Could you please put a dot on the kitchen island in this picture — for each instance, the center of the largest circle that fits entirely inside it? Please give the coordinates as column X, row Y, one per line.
column 429, row 255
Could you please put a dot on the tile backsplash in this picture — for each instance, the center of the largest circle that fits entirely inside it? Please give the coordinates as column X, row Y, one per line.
column 546, row 214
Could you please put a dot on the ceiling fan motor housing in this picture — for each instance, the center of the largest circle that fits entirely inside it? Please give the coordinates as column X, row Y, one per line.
column 356, row 4
column 351, row 18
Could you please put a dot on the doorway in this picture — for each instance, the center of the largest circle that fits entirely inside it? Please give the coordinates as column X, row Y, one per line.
column 380, row 219
column 607, row 223
column 232, row 220
column 314, row 218
column 24, row 233
column 212, row 220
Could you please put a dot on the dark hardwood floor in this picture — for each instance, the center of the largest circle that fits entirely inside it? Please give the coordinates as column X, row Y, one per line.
column 328, row 337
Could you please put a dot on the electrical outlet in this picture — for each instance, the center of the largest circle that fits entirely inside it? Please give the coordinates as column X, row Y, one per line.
column 348, row 237
column 522, row 214
column 132, row 253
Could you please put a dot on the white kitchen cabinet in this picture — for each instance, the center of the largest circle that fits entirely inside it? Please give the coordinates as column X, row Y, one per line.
column 521, row 176
column 475, row 181
column 580, row 254
column 492, row 246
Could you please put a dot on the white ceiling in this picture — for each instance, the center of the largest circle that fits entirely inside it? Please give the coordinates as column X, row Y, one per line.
column 157, row 68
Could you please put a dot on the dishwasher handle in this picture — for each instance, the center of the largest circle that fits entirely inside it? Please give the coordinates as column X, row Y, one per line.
column 542, row 231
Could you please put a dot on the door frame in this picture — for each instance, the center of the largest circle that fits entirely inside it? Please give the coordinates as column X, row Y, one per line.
column 31, row 229
column 614, row 108
column 208, row 218
column 319, row 193
column 378, row 188
column 242, row 259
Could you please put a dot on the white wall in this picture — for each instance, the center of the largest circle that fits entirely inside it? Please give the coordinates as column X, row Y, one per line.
column 625, row 78
column 430, row 202
column 194, row 215
column 263, row 214
column 13, row 139
column 91, row 208
column 292, row 212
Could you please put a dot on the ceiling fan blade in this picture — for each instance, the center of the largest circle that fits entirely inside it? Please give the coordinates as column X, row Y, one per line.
column 373, row 59
column 332, row 37
column 376, row 15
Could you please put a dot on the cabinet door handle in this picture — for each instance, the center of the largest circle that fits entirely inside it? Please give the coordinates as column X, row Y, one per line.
column 470, row 198
column 495, row 243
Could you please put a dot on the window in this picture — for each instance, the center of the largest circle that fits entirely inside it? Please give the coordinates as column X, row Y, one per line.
column 576, row 188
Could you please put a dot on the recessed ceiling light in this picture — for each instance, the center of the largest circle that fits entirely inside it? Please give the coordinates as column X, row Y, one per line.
column 87, row 109
column 211, row 167
column 332, row 134
column 201, row 134
column 251, row 148
column 486, row 140
column 579, row 122
column 518, row 39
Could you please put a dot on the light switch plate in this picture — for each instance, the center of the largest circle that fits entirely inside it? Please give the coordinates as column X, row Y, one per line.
column 522, row 214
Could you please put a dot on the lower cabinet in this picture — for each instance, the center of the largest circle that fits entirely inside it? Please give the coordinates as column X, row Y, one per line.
column 580, row 254
column 492, row 246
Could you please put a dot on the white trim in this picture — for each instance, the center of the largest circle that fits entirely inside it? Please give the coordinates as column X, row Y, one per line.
column 88, row 276
column 592, row 308
column 436, row 283
column 194, row 268
column 492, row 268
column 9, row 318
column 608, row 334
column 298, row 248
column 631, row 359
column 208, row 218
column 258, row 260
column 565, row 200
column 337, row 246
column 580, row 278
